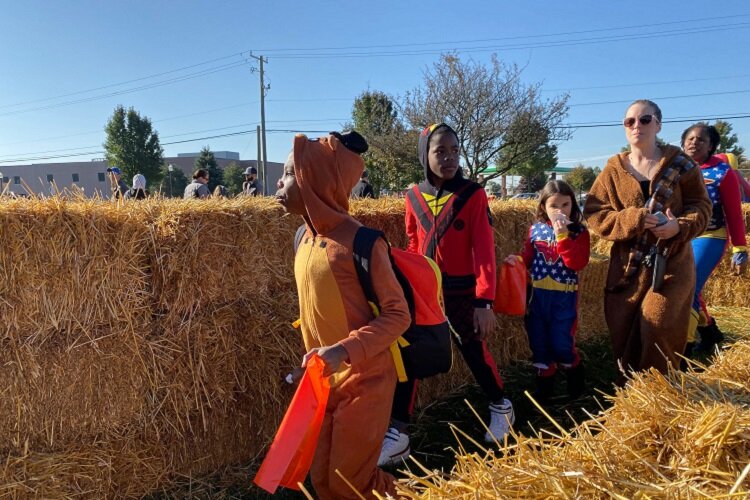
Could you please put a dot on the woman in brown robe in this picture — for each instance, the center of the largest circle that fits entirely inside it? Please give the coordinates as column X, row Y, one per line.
column 650, row 202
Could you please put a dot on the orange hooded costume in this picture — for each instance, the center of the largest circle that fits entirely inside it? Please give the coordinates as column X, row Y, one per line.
column 333, row 309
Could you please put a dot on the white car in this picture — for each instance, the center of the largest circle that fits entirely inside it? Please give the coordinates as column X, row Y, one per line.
column 524, row 196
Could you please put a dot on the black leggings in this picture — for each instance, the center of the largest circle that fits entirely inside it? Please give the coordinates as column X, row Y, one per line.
column 460, row 312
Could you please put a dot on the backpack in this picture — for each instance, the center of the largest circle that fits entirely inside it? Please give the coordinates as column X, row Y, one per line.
column 425, row 348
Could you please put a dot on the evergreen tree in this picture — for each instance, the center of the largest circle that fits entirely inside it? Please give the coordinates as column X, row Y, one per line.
column 233, row 178
column 207, row 161
column 133, row 146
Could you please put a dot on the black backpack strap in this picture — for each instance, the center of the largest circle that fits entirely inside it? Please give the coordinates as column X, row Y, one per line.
column 364, row 242
column 298, row 236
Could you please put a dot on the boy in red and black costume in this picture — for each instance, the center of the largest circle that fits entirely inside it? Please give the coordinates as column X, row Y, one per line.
column 448, row 219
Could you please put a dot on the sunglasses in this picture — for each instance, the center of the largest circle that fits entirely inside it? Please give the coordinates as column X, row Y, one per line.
column 643, row 120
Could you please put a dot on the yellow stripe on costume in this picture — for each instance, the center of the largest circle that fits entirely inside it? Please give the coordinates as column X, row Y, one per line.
column 719, row 234
column 436, row 207
column 549, row 284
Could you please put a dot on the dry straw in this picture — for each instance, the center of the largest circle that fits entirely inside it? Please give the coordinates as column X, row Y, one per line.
column 683, row 435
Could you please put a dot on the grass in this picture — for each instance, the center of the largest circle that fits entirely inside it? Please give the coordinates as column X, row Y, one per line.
column 432, row 441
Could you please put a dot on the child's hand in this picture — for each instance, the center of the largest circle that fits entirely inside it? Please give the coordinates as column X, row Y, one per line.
column 332, row 357
column 294, row 376
column 484, row 322
column 560, row 223
column 511, row 260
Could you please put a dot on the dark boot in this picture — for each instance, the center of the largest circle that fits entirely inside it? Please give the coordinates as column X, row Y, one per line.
column 710, row 336
column 545, row 388
column 689, row 348
column 576, row 380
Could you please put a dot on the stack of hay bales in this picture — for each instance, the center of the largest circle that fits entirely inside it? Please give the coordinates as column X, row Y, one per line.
column 685, row 435
column 147, row 341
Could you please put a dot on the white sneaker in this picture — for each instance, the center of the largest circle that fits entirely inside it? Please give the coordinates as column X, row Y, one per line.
column 502, row 417
column 395, row 448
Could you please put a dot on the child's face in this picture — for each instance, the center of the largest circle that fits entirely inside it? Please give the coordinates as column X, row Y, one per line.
column 558, row 204
column 289, row 194
column 443, row 156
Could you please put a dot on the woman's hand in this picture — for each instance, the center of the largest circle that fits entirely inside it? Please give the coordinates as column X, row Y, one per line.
column 484, row 322
column 331, row 356
column 665, row 231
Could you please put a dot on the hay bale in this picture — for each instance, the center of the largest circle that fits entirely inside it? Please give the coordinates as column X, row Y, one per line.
column 677, row 436
column 70, row 271
column 724, row 288
column 55, row 398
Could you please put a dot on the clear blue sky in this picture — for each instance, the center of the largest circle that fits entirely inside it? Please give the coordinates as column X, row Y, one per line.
column 54, row 53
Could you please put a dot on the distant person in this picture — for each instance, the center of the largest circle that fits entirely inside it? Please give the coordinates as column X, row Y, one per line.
column 119, row 188
column 199, row 187
column 138, row 191
column 650, row 203
column 251, row 186
column 700, row 142
column 221, row 192
column 363, row 189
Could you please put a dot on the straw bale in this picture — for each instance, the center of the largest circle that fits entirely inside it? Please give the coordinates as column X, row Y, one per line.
column 118, row 468
column 726, row 289
column 70, row 270
column 683, row 435
column 220, row 251
column 54, row 397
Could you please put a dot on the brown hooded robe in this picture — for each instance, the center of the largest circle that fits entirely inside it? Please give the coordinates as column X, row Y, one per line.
column 647, row 326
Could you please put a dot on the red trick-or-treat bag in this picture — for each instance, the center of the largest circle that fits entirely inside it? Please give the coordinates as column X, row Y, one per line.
column 510, row 294
column 290, row 456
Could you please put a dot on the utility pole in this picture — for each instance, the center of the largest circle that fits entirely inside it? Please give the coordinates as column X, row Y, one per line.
column 263, row 90
column 260, row 153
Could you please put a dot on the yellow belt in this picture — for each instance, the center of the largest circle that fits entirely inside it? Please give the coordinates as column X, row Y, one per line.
column 720, row 234
column 549, row 284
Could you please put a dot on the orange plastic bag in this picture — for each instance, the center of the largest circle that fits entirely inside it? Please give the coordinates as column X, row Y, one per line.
column 510, row 295
column 290, row 456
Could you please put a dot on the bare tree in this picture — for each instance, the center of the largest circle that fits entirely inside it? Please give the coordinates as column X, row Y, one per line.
column 500, row 121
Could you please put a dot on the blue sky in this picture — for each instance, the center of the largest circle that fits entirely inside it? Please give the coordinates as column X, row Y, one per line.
column 53, row 54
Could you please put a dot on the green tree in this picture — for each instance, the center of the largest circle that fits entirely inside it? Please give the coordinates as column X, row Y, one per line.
column 528, row 139
column 483, row 105
column 207, row 161
column 233, row 178
column 133, row 146
column 391, row 159
column 178, row 182
column 729, row 141
column 581, row 178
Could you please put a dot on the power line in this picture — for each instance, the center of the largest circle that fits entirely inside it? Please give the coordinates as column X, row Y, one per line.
column 292, row 131
column 663, row 82
column 523, row 46
column 686, row 96
column 148, row 77
column 516, row 37
column 676, row 120
column 129, row 91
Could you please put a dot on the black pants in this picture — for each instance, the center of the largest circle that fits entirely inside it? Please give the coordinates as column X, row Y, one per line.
column 460, row 312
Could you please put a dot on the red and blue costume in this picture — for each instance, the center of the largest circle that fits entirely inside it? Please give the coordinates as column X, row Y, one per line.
column 552, row 317
column 723, row 186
